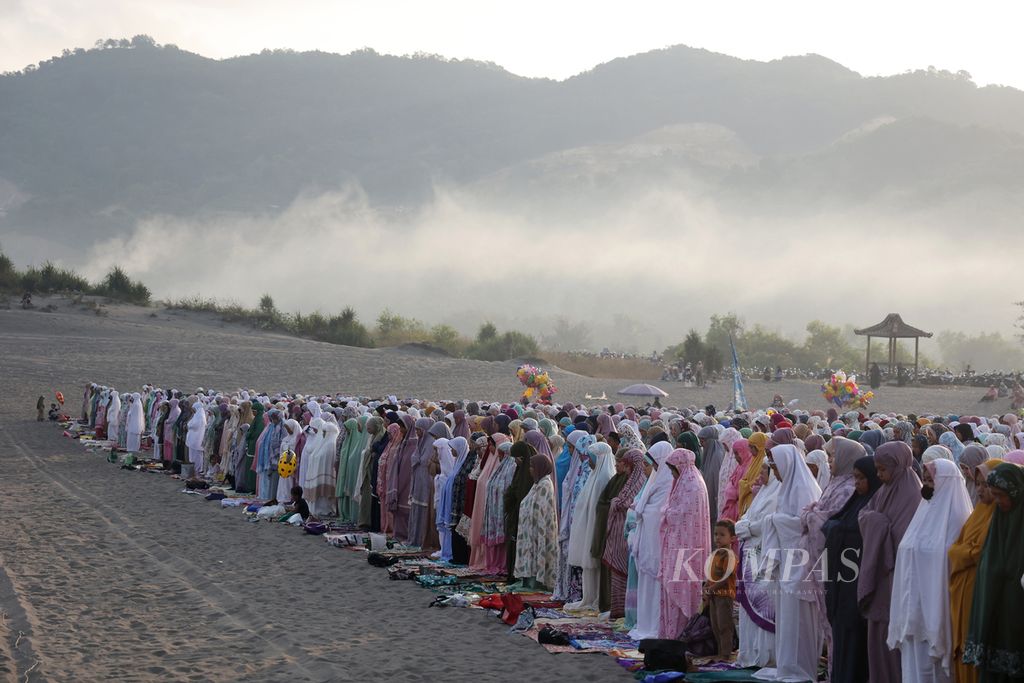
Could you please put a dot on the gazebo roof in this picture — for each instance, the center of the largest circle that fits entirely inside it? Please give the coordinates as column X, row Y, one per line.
column 892, row 327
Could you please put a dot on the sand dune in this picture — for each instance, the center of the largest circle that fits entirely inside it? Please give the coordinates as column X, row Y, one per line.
column 62, row 350
column 114, row 575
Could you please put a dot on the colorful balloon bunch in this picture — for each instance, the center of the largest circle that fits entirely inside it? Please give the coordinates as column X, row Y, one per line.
column 844, row 392
column 537, row 382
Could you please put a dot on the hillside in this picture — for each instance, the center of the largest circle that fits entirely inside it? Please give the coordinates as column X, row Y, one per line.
column 63, row 349
column 93, row 141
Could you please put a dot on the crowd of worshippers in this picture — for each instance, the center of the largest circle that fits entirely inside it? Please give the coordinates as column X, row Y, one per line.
column 891, row 544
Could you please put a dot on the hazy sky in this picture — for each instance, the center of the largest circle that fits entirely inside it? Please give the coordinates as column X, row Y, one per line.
column 555, row 38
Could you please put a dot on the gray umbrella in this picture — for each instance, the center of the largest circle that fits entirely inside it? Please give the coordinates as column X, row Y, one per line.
column 642, row 390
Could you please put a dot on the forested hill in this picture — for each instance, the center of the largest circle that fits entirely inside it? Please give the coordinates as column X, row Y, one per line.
column 93, row 140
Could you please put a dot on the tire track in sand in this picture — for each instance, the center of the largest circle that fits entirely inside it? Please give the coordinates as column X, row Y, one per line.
column 226, row 607
column 18, row 660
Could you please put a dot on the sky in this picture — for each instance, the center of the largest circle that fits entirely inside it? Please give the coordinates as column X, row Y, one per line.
column 554, row 38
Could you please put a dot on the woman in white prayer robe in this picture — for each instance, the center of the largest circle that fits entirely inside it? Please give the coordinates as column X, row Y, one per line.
column 584, row 516
column 755, row 593
column 798, row 628
column 196, row 434
column 136, row 423
column 645, row 543
column 920, row 625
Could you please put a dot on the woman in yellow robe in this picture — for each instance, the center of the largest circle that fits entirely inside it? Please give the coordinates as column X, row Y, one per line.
column 757, row 441
column 964, row 556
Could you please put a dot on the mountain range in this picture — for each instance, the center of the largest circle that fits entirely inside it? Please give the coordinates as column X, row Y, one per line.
column 95, row 140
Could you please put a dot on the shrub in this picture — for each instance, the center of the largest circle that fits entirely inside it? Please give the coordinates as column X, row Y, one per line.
column 447, row 338
column 489, row 345
column 50, row 279
column 117, row 285
column 393, row 329
column 9, row 277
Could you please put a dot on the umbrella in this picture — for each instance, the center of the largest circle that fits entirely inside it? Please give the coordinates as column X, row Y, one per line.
column 642, row 390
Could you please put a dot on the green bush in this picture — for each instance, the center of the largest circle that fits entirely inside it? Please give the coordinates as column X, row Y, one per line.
column 448, row 339
column 117, row 285
column 393, row 329
column 50, row 279
column 490, row 345
column 347, row 330
column 10, row 279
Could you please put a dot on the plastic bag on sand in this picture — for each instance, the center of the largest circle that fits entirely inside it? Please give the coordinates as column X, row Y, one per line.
column 378, row 542
column 270, row 511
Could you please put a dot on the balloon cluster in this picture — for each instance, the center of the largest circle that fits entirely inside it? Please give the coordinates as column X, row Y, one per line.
column 537, row 382
column 842, row 390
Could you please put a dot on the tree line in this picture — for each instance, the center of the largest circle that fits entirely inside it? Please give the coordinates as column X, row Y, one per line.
column 825, row 347
column 390, row 329
column 52, row 279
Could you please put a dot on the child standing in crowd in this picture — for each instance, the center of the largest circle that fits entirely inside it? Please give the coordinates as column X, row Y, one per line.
column 720, row 588
column 40, row 407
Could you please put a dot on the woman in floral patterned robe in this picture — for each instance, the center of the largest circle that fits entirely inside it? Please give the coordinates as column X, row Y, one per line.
column 537, row 537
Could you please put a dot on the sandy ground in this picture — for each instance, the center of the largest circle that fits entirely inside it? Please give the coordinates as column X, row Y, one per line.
column 44, row 352
column 114, row 575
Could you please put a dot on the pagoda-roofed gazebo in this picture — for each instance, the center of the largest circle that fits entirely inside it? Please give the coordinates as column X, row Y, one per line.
column 892, row 328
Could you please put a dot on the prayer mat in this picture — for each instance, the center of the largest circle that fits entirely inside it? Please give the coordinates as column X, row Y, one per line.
column 711, row 676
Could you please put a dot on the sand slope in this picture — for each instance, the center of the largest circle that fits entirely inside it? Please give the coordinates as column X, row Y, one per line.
column 114, row 575
column 43, row 352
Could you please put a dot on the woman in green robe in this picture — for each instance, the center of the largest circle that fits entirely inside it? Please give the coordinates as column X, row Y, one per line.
column 604, row 503
column 690, row 442
column 995, row 640
column 250, row 446
column 349, row 461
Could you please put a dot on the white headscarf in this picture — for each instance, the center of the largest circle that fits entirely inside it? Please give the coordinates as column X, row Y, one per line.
column 799, row 488
column 136, row 423
column 196, row 426
column 584, row 515
column 114, row 412
column 446, row 459
column 818, row 457
column 996, row 440
column 290, row 439
column 995, row 451
column 919, row 607
column 313, row 441
column 331, row 431
column 750, row 527
column 645, row 541
column 783, row 529
column 936, row 452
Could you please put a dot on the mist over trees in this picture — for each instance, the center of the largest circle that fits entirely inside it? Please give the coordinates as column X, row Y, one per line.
column 657, row 155
column 50, row 278
column 95, row 138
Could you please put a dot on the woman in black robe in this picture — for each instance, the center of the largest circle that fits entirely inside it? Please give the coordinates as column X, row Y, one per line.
column 522, row 482
column 843, row 546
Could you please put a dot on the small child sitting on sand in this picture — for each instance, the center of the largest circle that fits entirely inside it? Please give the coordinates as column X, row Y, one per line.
column 298, row 504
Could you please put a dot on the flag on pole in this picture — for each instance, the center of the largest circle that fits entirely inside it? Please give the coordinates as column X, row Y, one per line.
column 739, row 399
